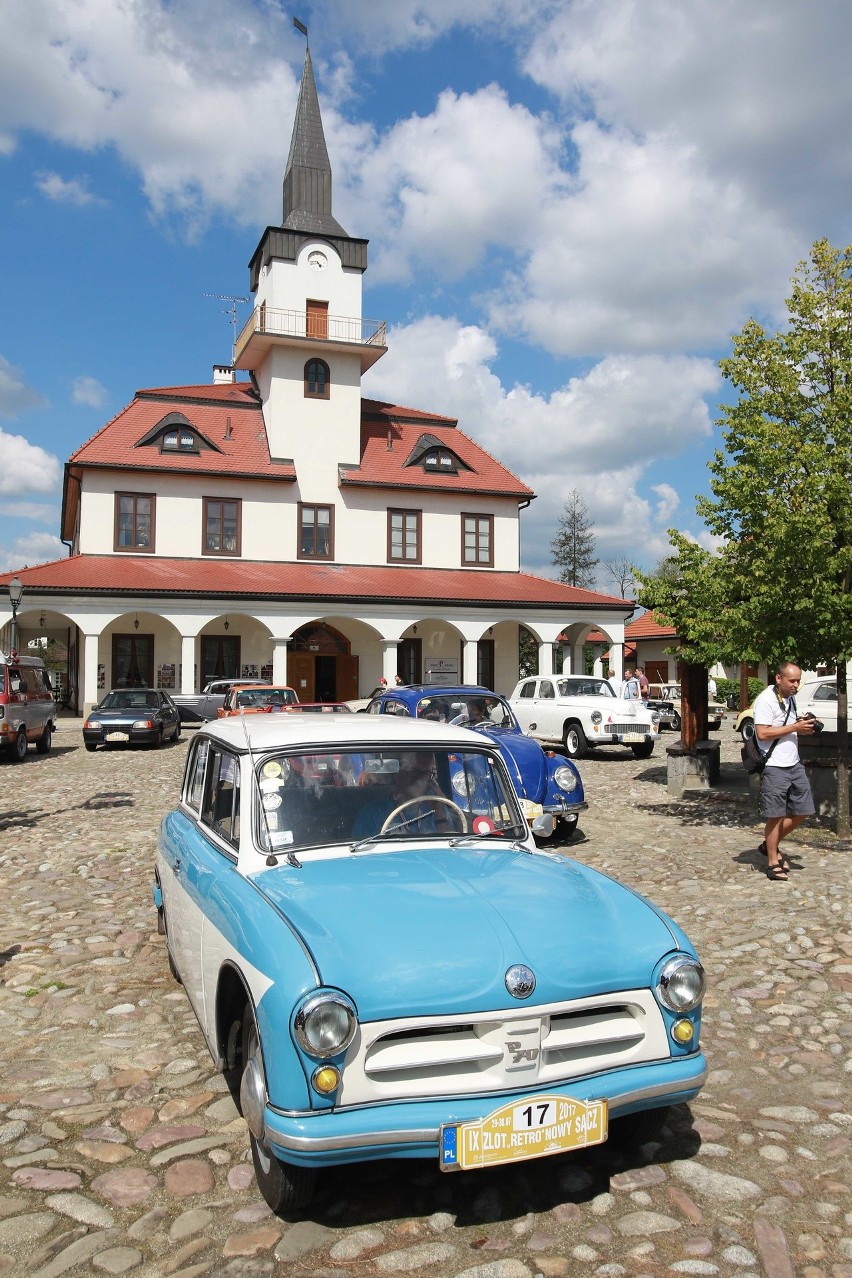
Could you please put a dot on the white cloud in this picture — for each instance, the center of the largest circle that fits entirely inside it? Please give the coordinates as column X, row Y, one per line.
column 599, row 433
column 16, row 396
column 74, row 191
column 25, row 552
column 88, row 390
column 384, row 25
column 26, row 468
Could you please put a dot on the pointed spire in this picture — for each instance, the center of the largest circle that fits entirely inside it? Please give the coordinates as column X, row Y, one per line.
column 307, row 178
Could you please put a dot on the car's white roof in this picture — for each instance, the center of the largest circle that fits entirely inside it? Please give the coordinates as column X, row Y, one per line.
column 273, row 731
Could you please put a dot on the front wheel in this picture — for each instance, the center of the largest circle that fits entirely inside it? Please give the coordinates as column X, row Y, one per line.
column 676, row 722
column 643, row 751
column 285, row 1187
column 574, row 741
column 747, row 729
column 90, row 746
column 634, row 1130
column 19, row 746
column 45, row 740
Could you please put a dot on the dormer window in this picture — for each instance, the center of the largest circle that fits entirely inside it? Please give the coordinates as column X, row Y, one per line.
column 179, row 441
column 441, row 459
column 435, row 457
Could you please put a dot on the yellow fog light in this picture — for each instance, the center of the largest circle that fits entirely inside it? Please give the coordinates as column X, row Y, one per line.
column 326, row 1079
column 682, row 1032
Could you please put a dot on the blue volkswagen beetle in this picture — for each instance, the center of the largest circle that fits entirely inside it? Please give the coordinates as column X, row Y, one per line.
column 384, row 963
column 545, row 780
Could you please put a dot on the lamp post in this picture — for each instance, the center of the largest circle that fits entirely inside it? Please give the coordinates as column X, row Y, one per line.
column 16, row 590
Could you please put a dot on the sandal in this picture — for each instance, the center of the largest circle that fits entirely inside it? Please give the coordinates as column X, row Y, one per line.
column 776, row 873
column 782, row 860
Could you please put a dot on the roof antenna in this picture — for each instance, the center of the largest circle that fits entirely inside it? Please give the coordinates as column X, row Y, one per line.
column 300, row 26
column 231, row 311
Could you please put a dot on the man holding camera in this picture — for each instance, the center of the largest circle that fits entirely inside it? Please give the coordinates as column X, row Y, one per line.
column 785, row 792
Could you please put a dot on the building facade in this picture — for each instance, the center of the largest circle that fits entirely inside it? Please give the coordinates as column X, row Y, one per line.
column 277, row 523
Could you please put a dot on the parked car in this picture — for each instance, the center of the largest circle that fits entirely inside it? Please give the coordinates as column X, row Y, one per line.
column 387, row 966
column 27, row 707
column 253, row 698
column 582, row 712
column 665, row 699
column 818, row 697
column 544, row 781
column 132, row 716
column 198, row 707
column 359, row 704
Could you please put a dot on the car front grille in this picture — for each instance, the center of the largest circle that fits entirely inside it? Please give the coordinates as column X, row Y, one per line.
column 502, row 1051
column 619, row 729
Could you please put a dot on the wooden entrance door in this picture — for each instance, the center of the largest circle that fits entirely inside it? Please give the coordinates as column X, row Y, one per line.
column 300, row 674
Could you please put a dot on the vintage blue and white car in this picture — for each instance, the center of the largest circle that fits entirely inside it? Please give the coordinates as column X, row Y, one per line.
column 384, row 964
column 545, row 780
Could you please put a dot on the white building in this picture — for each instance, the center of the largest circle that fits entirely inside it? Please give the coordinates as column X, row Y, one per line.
column 283, row 524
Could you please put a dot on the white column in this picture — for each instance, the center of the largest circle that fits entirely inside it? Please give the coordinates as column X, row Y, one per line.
column 616, row 661
column 469, row 671
column 577, row 658
column 279, row 658
column 390, row 660
column 90, row 671
column 545, row 659
column 187, row 665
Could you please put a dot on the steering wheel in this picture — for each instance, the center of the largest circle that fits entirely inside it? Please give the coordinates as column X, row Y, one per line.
column 423, row 798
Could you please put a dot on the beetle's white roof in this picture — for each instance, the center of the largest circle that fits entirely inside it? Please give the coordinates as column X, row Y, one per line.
column 321, row 731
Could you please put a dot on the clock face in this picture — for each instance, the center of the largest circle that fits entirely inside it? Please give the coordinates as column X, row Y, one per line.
column 317, row 260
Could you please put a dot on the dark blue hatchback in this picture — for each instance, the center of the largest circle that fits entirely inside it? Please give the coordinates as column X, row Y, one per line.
column 544, row 780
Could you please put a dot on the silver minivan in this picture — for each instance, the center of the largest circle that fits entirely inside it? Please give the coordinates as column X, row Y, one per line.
column 27, row 707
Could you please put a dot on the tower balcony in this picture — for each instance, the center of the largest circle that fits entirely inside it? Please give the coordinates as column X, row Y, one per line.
column 317, row 332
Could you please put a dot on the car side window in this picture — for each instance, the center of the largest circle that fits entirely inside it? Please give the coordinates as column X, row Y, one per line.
column 825, row 692
column 194, row 788
column 17, row 682
column 546, row 689
column 528, row 690
column 221, row 805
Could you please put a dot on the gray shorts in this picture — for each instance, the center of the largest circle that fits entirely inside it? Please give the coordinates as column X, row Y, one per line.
column 785, row 792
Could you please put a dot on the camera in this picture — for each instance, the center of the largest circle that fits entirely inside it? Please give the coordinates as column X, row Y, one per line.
column 818, row 723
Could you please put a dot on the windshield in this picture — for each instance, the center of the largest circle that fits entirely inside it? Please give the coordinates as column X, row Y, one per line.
column 130, row 700
column 333, row 797
column 466, row 711
column 584, row 688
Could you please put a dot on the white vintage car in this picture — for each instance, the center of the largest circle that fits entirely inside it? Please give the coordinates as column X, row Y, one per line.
column 583, row 712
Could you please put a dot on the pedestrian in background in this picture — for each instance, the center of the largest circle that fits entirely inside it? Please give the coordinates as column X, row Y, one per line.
column 630, row 687
column 786, row 800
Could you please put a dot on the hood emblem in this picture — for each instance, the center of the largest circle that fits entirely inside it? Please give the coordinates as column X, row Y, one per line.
column 520, row 981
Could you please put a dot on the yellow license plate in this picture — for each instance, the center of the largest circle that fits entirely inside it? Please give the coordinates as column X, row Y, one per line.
column 531, row 810
column 530, row 1128
column 633, row 736
column 117, row 736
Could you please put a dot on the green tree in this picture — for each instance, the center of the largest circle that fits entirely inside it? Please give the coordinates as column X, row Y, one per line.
column 572, row 550
column 780, row 586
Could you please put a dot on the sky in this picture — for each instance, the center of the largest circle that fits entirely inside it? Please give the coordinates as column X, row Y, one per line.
column 572, row 206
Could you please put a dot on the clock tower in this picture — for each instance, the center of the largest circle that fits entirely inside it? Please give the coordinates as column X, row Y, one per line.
column 306, row 341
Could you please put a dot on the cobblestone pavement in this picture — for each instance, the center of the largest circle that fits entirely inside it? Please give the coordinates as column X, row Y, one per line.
column 122, row 1152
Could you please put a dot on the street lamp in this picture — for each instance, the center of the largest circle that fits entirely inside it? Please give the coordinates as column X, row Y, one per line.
column 16, row 590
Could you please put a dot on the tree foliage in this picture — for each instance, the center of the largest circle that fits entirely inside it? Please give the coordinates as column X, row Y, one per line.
column 780, row 584
column 621, row 572
column 572, row 550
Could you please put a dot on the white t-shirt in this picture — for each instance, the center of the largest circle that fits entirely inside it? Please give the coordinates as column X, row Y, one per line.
column 771, row 712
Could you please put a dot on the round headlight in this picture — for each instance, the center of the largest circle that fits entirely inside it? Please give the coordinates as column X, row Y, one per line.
column 459, row 782
column 325, row 1024
column 565, row 778
column 596, row 717
column 681, row 984
column 655, row 716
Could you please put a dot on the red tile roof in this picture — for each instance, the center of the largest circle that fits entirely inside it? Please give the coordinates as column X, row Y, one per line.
column 211, row 578
column 228, row 416
column 389, row 434
column 647, row 627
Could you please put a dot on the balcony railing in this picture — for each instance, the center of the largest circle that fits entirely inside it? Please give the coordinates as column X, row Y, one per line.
column 312, row 325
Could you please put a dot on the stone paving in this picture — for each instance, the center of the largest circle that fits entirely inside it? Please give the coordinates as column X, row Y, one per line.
column 122, row 1153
